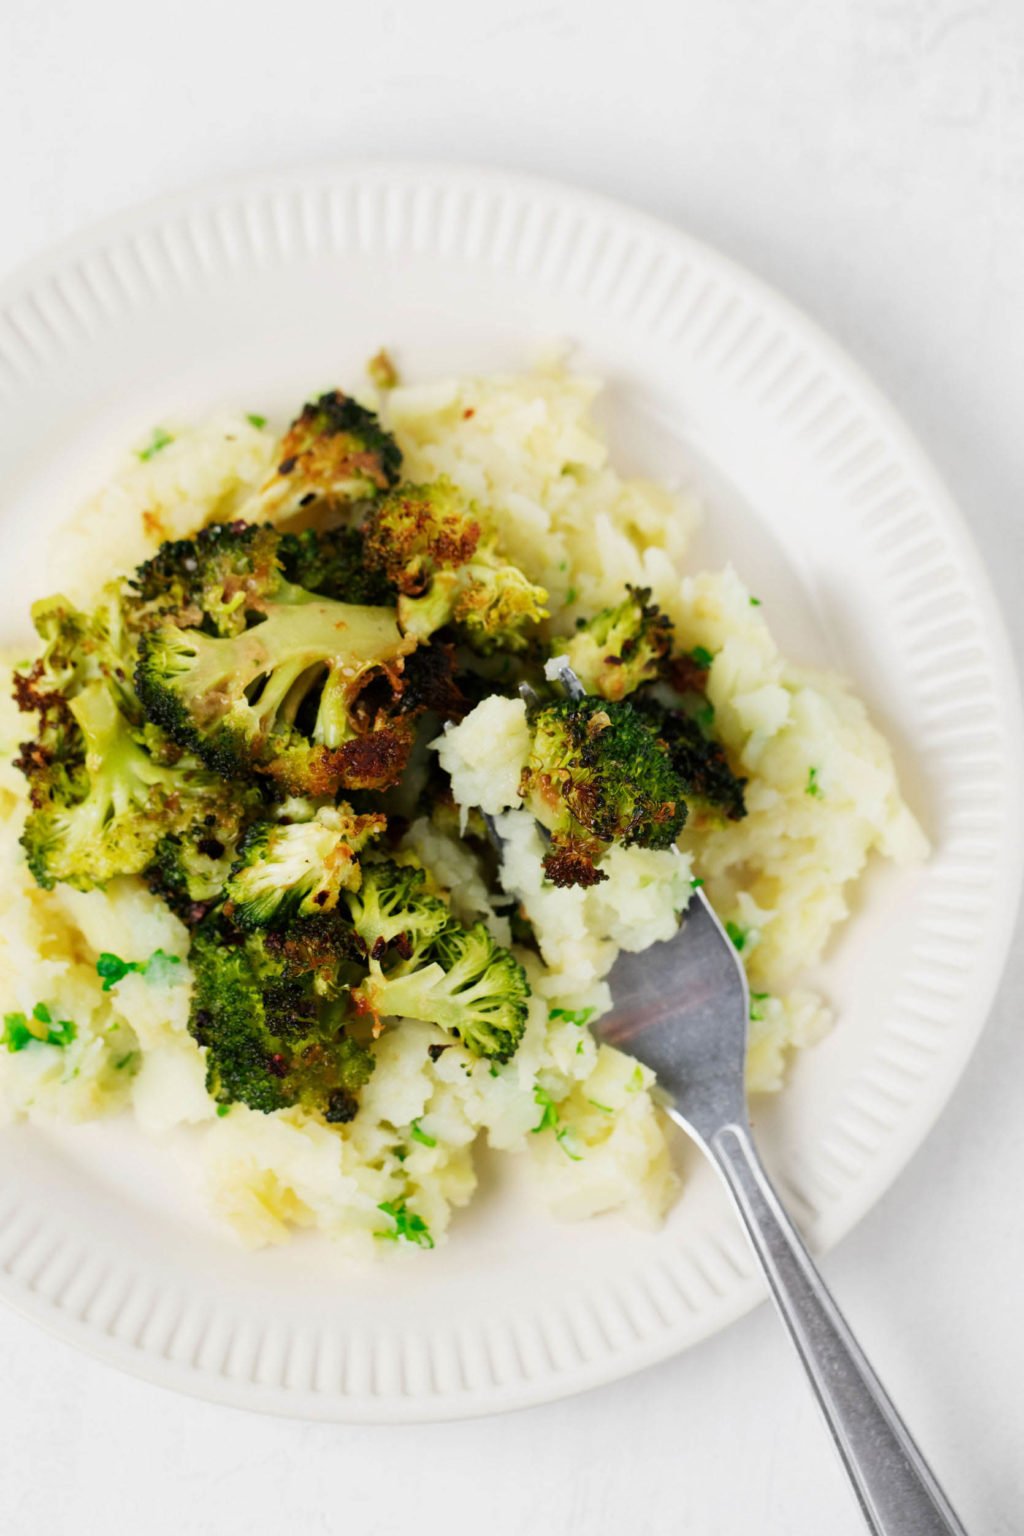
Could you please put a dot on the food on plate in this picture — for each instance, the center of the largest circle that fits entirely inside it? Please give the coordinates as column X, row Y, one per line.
column 309, row 857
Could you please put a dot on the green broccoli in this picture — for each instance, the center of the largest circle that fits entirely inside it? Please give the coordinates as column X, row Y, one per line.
column 190, row 866
column 599, row 774
column 461, row 980
column 711, row 788
column 106, row 786
column 425, row 965
column 334, row 454
column 297, row 870
column 271, row 1037
column 393, row 907
column 434, row 546
column 103, row 810
column 332, row 563
column 216, row 580
column 306, row 696
column 621, row 648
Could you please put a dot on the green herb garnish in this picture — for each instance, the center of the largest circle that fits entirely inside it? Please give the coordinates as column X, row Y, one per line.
column 259, row 422
column 420, row 1135
column 222, row 1110
column 702, row 656
column 549, row 1110
column 158, row 441
column 408, row 1226
column 20, row 1031
column 812, row 787
column 577, row 1016
column 738, row 935
column 111, row 968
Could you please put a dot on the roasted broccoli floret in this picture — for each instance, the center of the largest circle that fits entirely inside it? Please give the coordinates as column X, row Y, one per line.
column 393, row 907
column 297, row 870
column 434, row 546
column 272, row 1037
column 462, row 981
column 307, row 696
column 104, row 815
column 621, row 647
column 105, row 787
column 335, row 453
column 425, row 965
column 333, row 563
column 215, row 581
column 711, row 788
column 599, row 773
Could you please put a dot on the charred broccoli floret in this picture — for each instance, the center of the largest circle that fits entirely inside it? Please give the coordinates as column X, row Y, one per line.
column 307, row 696
column 332, row 563
column 105, row 786
column 622, row 647
column 599, row 773
column 425, row 965
column 392, row 907
column 107, row 816
column 434, row 546
column 272, row 1038
column 711, row 788
column 214, row 581
column 297, row 870
column 334, row 453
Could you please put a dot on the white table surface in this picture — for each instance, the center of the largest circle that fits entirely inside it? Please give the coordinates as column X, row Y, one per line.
column 866, row 156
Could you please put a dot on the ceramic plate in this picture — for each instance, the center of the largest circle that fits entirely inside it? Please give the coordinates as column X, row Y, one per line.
column 251, row 295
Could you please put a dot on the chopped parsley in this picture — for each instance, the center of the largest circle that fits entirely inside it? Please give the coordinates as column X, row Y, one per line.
column 812, row 787
column 577, row 1016
column 550, row 1121
column 158, row 968
column 254, row 420
column 125, row 1061
column 696, row 883
column 636, row 1081
column 755, row 602
column 571, row 595
column 20, row 1031
column 549, row 1110
column 738, row 935
column 702, row 657
column 757, row 1001
column 409, row 1227
column 222, row 1110
column 418, row 1134
column 579, row 1048
column 159, row 440
column 605, row 1109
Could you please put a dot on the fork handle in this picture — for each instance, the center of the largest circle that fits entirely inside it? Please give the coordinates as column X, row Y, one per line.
column 897, row 1492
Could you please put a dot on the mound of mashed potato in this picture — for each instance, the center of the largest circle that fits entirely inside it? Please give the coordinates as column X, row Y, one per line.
column 822, row 797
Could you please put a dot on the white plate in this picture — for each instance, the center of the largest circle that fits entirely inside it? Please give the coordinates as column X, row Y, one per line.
column 251, row 295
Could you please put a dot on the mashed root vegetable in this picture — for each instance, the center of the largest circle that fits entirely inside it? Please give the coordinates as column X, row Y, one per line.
column 822, row 797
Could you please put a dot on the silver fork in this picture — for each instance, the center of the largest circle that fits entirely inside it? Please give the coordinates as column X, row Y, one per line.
column 682, row 1007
